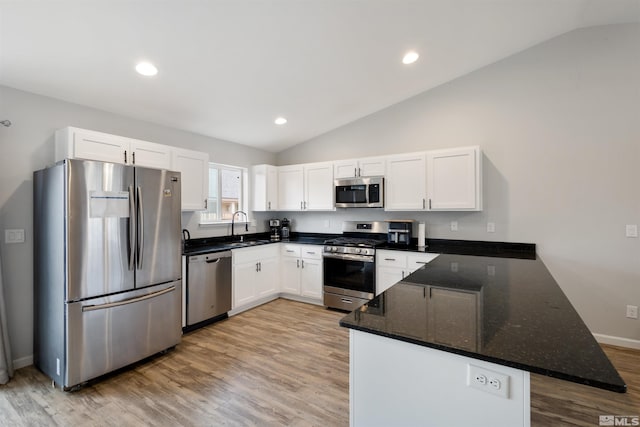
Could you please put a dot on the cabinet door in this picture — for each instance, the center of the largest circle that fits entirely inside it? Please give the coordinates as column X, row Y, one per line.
column 318, row 179
column 244, row 284
column 290, row 275
column 412, row 299
column 454, row 179
column 272, row 188
column 194, row 167
column 311, row 278
column 267, row 279
column 100, row 146
column 264, row 187
column 406, row 183
column 290, row 188
column 374, row 166
column 386, row 277
column 345, row 169
column 150, row 155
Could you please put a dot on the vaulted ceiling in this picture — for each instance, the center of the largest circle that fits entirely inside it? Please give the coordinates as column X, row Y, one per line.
column 228, row 68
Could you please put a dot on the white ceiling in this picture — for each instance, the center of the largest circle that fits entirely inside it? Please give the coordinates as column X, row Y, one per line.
column 228, row 68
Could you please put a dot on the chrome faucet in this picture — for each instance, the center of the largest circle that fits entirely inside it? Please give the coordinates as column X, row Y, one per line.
column 246, row 225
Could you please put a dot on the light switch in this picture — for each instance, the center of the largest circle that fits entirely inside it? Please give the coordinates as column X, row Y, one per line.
column 454, row 225
column 14, row 236
column 632, row 230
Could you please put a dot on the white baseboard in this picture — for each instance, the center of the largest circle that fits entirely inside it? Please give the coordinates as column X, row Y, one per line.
column 23, row 362
column 619, row 341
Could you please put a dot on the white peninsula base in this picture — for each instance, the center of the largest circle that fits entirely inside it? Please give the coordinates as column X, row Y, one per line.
column 395, row 383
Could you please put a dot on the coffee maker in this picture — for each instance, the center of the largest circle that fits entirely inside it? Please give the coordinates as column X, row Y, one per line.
column 274, row 224
column 286, row 228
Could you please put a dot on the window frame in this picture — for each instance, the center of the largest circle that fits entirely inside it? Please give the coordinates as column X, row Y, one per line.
column 244, row 195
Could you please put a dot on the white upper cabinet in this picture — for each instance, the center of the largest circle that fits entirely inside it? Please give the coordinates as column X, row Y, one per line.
column 75, row 143
column 291, row 188
column 150, row 154
column 194, row 168
column 406, row 183
column 370, row 166
column 305, row 187
column 264, row 187
column 454, row 179
column 318, row 187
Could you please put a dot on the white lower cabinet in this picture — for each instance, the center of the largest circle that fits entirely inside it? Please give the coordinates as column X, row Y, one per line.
column 302, row 270
column 393, row 266
column 255, row 274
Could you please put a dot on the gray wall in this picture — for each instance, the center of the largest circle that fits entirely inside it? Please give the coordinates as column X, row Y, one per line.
column 559, row 125
column 28, row 146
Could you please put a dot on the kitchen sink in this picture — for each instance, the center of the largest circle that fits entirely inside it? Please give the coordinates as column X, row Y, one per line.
column 247, row 243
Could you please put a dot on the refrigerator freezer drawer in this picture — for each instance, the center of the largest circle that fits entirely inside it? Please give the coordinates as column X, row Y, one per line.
column 108, row 333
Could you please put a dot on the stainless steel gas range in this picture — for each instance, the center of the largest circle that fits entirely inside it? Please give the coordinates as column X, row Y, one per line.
column 350, row 264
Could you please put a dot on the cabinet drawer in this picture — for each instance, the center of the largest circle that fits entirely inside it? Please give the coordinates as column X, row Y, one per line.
column 311, row 251
column 289, row 250
column 416, row 261
column 391, row 259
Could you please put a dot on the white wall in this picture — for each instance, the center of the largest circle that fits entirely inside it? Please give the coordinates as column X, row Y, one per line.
column 559, row 125
column 28, row 146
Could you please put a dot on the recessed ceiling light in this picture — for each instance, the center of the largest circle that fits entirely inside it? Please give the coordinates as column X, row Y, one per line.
column 280, row 121
column 146, row 69
column 410, row 58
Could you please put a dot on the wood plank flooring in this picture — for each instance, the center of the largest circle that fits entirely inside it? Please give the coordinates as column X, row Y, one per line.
column 284, row 363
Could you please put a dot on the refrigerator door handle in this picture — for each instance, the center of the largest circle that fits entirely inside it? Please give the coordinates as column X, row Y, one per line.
column 132, row 228
column 140, row 237
column 128, row 301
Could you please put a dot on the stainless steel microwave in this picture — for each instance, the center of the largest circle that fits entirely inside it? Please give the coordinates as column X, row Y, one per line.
column 360, row 192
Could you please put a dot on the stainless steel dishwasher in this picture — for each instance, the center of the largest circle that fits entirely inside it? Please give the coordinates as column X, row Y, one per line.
column 208, row 288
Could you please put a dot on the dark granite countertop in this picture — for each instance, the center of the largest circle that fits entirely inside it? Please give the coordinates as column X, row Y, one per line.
column 219, row 244
column 507, row 311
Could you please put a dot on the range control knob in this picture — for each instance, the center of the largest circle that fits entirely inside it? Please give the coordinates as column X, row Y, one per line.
column 334, row 249
column 358, row 250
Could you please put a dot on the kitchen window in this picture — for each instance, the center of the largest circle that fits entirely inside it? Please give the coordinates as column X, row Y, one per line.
column 227, row 193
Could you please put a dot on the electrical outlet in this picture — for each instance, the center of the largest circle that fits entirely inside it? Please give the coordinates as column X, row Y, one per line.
column 487, row 380
column 491, row 270
column 491, row 227
column 14, row 236
column 454, row 225
column 631, row 230
column 632, row 311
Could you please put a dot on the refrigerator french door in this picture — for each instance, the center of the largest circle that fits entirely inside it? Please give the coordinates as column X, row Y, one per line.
column 107, row 267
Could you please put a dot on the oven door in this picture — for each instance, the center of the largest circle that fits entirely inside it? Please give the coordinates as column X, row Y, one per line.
column 352, row 275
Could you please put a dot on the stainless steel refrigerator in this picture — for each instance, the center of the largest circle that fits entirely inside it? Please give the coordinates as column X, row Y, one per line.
column 107, row 258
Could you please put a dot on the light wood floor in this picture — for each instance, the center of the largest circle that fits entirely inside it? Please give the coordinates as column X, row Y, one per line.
column 284, row 363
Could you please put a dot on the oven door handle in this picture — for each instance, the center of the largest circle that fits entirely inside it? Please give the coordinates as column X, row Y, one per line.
column 350, row 257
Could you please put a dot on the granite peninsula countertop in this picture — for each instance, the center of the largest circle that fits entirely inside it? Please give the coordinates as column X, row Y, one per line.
column 508, row 311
